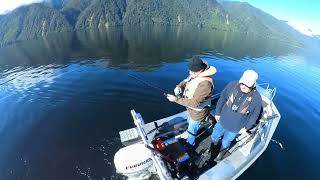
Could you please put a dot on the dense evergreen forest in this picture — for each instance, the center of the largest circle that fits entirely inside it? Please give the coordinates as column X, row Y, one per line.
column 51, row 16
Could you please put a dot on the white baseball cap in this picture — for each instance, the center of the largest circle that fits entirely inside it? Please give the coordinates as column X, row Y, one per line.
column 249, row 78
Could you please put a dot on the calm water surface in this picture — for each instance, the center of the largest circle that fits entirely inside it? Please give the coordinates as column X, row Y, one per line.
column 65, row 97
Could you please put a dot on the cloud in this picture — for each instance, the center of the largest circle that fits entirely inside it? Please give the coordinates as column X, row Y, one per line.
column 9, row 5
column 303, row 28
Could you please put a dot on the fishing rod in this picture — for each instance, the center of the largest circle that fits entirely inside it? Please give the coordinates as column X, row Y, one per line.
column 149, row 85
column 5, row 82
column 162, row 91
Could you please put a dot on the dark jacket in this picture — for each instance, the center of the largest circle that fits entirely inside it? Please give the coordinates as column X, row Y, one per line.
column 202, row 93
column 234, row 121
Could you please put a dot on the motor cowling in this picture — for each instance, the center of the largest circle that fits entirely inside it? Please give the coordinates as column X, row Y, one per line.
column 134, row 161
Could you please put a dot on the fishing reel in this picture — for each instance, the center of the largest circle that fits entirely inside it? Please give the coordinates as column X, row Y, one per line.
column 179, row 96
column 178, row 91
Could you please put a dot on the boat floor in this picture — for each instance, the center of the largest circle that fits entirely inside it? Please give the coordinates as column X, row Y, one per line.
column 202, row 159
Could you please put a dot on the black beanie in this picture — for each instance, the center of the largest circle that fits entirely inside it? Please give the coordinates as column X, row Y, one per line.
column 196, row 64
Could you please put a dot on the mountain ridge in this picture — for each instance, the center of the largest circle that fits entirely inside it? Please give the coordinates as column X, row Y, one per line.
column 28, row 22
column 89, row 14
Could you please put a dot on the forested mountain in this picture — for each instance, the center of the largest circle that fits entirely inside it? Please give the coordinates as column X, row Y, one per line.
column 28, row 22
column 57, row 4
column 72, row 9
column 65, row 15
column 102, row 13
column 200, row 13
column 259, row 22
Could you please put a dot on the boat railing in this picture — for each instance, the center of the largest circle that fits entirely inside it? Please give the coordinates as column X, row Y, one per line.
column 161, row 170
column 267, row 91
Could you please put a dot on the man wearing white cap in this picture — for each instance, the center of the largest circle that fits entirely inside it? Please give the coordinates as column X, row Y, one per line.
column 237, row 110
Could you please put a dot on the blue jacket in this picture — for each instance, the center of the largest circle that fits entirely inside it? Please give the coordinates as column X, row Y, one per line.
column 234, row 121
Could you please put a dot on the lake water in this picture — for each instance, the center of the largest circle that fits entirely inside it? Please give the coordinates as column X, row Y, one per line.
column 65, row 97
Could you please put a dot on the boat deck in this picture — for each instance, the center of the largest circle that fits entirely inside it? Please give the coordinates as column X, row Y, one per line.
column 201, row 158
column 243, row 152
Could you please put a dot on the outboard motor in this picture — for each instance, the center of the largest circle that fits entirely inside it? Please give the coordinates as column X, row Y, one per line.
column 134, row 161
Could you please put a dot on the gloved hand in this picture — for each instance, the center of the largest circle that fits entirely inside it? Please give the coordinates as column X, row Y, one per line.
column 177, row 90
column 171, row 98
column 217, row 117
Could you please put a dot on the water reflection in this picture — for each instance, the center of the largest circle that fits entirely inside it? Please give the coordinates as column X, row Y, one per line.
column 64, row 106
column 144, row 48
column 42, row 51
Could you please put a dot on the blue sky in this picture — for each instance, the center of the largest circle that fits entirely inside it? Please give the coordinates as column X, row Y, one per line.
column 301, row 14
column 8, row 5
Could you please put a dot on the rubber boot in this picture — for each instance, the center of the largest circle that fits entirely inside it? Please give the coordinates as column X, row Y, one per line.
column 213, row 147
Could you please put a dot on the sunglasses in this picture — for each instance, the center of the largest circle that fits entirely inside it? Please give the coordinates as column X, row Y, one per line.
column 246, row 86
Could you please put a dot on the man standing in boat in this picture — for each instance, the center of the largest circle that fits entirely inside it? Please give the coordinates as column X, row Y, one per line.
column 237, row 110
column 196, row 93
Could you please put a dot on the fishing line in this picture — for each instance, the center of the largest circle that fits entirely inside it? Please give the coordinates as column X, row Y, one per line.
column 15, row 77
column 148, row 84
column 8, row 81
column 278, row 143
column 162, row 91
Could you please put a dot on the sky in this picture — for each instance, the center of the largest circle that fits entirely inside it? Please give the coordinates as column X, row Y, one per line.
column 8, row 5
column 301, row 14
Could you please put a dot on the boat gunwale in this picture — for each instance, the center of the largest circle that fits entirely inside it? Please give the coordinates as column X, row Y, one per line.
column 250, row 158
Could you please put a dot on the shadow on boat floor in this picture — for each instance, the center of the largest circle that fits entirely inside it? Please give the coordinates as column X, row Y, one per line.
column 201, row 157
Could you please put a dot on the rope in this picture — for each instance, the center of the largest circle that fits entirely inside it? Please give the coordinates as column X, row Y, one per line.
column 278, row 143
